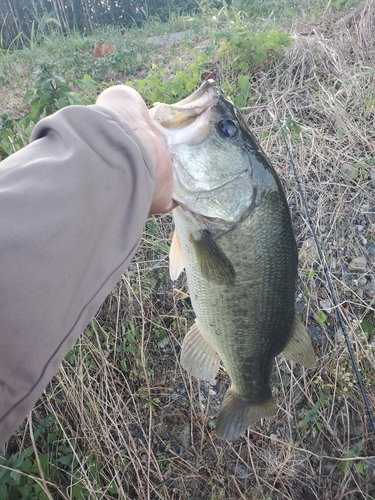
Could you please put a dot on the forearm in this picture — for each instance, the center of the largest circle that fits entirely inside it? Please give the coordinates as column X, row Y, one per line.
column 73, row 205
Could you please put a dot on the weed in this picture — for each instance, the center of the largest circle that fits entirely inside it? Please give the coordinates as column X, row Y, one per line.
column 121, row 419
column 310, row 422
column 51, row 93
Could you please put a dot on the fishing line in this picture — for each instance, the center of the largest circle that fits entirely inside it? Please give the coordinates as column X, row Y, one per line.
column 325, row 268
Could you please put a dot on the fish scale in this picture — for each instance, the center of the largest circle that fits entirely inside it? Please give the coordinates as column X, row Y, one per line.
column 257, row 311
column 234, row 237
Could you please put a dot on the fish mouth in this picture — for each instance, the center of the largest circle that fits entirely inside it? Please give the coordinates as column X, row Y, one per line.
column 183, row 113
column 201, row 96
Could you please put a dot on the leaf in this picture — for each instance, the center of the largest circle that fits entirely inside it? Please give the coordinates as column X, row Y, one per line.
column 63, row 102
column 3, row 491
column 322, row 318
column 112, row 489
column 367, row 327
column 66, row 460
column 78, row 492
column 26, row 466
column 361, row 467
column 46, row 97
column 124, row 366
column 243, row 83
column 28, row 95
column 16, row 476
column 18, row 461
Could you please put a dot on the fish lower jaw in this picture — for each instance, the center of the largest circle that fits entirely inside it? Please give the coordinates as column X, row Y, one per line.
column 213, row 224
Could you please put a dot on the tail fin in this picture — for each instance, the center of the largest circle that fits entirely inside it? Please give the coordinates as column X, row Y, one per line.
column 237, row 414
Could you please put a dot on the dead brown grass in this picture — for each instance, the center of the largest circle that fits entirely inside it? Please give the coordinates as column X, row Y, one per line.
column 121, row 399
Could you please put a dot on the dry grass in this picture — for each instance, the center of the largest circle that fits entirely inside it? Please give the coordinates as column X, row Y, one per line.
column 122, row 404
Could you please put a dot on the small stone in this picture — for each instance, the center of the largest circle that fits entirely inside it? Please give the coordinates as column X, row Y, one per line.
column 315, row 332
column 241, row 470
column 163, row 343
column 371, row 249
column 326, row 306
column 309, row 248
column 300, row 306
column 360, row 228
column 362, row 281
column 212, row 392
column 358, row 264
column 297, row 463
column 328, row 467
column 349, row 171
column 273, row 438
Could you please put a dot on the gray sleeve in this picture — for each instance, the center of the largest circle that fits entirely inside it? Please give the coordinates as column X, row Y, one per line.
column 73, row 204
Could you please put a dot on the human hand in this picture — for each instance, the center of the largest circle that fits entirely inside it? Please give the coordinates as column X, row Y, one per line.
column 127, row 103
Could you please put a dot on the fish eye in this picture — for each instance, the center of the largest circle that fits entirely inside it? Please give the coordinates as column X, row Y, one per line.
column 227, row 128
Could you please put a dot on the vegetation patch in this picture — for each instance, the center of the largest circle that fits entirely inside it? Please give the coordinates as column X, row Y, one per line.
column 121, row 418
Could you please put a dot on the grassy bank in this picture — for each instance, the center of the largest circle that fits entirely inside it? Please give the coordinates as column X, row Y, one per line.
column 121, row 418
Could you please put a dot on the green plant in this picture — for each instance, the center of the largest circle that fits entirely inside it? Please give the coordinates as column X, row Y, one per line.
column 169, row 86
column 16, row 477
column 50, row 94
column 254, row 49
column 310, row 422
column 360, row 465
column 37, row 34
column 340, row 5
column 322, row 317
column 362, row 168
column 244, row 53
column 14, row 134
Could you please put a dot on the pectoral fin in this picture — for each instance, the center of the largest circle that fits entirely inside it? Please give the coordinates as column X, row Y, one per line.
column 299, row 347
column 176, row 259
column 213, row 263
column 197, row 356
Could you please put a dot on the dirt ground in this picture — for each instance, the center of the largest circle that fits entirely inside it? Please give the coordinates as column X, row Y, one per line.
column 121, row 395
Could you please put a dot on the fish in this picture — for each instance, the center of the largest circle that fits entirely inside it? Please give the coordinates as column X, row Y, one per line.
column 234, row 238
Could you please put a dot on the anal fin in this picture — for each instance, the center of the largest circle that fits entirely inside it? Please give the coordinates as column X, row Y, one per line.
column 299, row 347
column 197, row 357
column 176, row 258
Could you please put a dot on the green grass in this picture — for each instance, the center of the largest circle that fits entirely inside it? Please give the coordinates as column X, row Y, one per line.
column 121, row 418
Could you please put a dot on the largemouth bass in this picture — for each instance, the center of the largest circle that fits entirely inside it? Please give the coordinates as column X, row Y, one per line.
column 234, row 237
